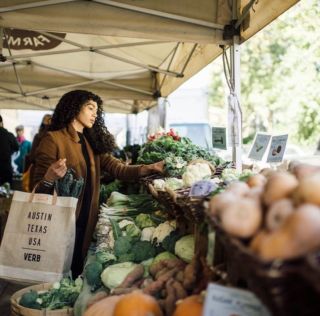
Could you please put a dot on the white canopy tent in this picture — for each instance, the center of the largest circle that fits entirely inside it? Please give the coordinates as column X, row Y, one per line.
column 129, row 52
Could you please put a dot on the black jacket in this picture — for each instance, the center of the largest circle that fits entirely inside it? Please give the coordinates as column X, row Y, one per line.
column 8, row 145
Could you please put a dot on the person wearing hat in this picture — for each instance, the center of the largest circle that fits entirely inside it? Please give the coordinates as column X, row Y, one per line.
column 8, row 145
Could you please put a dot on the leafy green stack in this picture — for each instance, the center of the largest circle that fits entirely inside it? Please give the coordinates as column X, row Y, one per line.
column 176, row 152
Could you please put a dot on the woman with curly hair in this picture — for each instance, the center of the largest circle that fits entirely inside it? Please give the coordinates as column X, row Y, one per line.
column 78, row 138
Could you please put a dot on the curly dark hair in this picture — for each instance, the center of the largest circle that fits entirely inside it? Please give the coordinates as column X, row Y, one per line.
column 69, row 106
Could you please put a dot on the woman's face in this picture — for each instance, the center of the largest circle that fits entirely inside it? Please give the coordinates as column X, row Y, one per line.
column 88, row 114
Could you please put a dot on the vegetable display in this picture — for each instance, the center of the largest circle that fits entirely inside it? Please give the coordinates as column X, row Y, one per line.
column 63, row 294
column 176, row 152
column 279, row 213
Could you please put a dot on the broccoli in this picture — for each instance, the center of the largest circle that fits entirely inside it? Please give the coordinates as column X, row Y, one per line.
column 29, row 300
column 127, row 257
column 143, row 250
column 62, row 294
column 92, row 274
column 122, row 245
column 169, row 241
column 144, row 220
column 105, row 257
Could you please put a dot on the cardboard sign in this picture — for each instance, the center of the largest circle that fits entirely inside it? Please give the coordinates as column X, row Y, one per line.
column 259, row 146
column 226, row 301
column 277, row 148
column 219, row 137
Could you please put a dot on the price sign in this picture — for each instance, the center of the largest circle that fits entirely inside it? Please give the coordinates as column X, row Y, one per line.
column 259, row 146
column 226, row 301
column 219, row 137
column 277, row 148
column 202, row 188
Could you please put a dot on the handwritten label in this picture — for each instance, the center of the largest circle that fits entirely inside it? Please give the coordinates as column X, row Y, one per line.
column 219, row 137
column 226, row 301
column 277, row 148
column 202, row 188
column 259, row 146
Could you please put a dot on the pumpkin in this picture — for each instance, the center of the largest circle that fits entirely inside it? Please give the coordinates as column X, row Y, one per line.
column 190, row 306
column 104, row 307
column 137, row 304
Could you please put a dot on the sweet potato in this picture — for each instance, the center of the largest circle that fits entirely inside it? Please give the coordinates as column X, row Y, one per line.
column 123, row 290
column 180, row 276
column 160, row 272
column 96, row 298
column 171, row 297
column 155, row 268
column 179, row 290
column 190, row 273
column 133, row 276
column 157, row 285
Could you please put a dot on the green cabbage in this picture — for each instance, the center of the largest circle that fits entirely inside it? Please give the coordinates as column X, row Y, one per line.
column 164, row 256
column 114, row 275
column 184, row 248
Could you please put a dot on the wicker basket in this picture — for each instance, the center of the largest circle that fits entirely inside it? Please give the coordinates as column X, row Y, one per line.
column 278, row 284
column 310, row 271
column 18, row 310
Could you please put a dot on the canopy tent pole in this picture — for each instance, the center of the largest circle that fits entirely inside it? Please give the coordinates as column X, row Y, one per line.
column 236, row 128
column 78, row 50
column 32, row 5
column 236, row 92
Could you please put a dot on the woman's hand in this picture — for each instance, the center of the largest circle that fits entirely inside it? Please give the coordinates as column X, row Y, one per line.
column 56, row 170
column 157, row 167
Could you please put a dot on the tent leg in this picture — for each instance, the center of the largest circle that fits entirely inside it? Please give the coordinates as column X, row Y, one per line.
column 157, row 117
column 237, row 122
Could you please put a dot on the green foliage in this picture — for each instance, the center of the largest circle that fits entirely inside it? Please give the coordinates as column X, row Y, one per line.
column 105, row 257
column 127, row 257
column 92, row 273
column 107, row 189
column 133, row 231
column 280, row 75
column 165, row 146
column 29, row 300
column 122, row 245
column 117, row 233
column 144, row 220
column 62, row 294
column 143, row 250
column 169, row 242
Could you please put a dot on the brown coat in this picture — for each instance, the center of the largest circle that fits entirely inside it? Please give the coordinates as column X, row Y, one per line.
column 65, row 144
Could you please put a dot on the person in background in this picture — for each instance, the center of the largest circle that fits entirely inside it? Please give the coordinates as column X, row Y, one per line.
column 29, row 159
column 8, row 145
column 25, row 147
column 77, row 138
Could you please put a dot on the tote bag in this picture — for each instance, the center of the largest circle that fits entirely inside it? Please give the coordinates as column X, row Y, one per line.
column 39, row 236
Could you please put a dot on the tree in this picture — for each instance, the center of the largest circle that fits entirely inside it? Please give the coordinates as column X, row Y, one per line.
column 280, row 72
